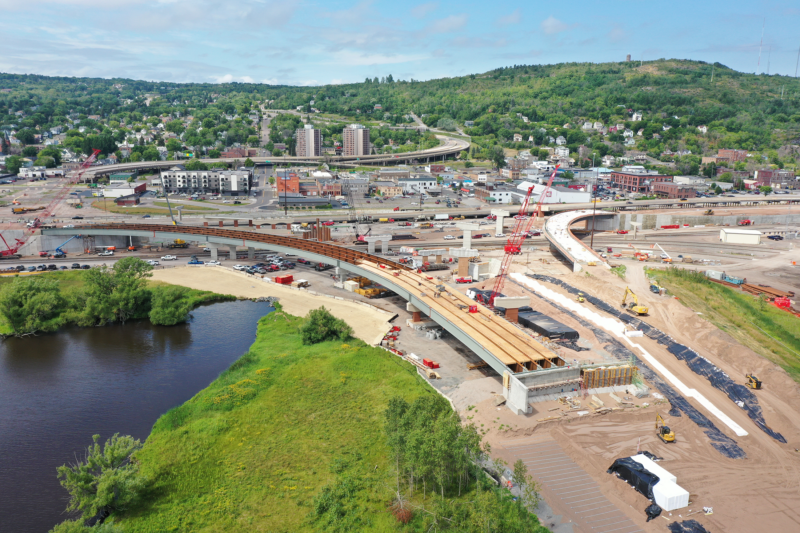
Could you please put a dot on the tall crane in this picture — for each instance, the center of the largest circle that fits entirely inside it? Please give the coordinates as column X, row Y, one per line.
column 666, row 258
column 11, row 250
column 522, row 226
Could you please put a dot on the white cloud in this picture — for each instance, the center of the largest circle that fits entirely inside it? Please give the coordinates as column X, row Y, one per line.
column 337, row 81
column 270, row 81
column 451, row 23
column 423, row 10
column 247, row 79
column 307, row 83
column 227, row 78
column 552, row 25
column 352, row 58
column 514, row 17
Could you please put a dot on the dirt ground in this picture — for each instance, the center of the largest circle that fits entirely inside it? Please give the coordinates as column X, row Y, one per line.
column 369, row 324
column 765, row 480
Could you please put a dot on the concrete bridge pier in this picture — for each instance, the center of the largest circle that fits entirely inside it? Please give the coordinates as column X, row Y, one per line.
column 463, row 259
column 233, row 252
column 383, row 239
column 468, row 228
column 251, row 252
column 501, row 215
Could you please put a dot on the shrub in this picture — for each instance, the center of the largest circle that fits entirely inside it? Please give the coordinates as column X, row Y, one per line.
column 320, row 326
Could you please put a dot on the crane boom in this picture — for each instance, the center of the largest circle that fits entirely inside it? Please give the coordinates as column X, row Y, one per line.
column 522, row 225
column 11, row 251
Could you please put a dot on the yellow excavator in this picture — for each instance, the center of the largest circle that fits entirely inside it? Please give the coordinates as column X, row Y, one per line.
column 753, row 382
column 663, row 431
column 580, row 297
column 634, row 306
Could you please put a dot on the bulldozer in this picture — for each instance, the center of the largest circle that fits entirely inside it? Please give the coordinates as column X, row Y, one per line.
column 634, row 306
column 580, row 297
column 753, row 382
column 708, row 212
column 663, row 431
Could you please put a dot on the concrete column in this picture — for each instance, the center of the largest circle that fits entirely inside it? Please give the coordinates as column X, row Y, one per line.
column 220, row 223
column 205, row 224
column 467, row 239
column 385, row 247
column 499, row 226
column 512, row 315
column 371, row 247
column 214, row 253
column 233, row 252
column 235, row 223
column 250, row 223
column 463, row 267
column 438, row 258
column 416, row 317
column 273, row 226
column 251, row 252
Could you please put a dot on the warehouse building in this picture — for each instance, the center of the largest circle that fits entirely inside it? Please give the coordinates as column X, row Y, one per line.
column 120, row 189
column 740, row 236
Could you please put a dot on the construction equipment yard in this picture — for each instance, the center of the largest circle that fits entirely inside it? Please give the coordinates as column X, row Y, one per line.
column 532, row 345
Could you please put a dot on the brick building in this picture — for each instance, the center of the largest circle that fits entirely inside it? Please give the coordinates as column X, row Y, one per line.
column 388, row 188
column 287, row 182
column 733, row 156
column 668, row 189
column 777, row 179
column 640, row 183
column 236, row 153
column 327, row 187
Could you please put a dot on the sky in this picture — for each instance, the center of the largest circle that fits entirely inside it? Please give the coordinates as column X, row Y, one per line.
column 309, row 42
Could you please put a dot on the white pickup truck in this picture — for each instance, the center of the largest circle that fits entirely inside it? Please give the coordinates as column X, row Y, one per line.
column 169, row 258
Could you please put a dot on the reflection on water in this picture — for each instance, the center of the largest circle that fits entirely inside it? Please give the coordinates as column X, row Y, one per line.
column 56, row 391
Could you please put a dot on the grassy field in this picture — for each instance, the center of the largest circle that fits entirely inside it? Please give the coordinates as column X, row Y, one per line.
column 282, row 426
column 186, row 207
column 762, row 327
column 111, row 207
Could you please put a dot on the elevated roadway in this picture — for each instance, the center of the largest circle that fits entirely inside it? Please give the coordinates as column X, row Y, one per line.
column 557, row 231
column 449, row 147
column 499, row 343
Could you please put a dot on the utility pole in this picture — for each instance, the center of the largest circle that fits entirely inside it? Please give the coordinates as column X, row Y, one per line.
column 760, row 46
column 594, row 203
column 797, row 62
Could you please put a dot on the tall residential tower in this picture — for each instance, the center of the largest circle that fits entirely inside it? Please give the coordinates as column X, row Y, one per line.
column 356, row 140
column 309, row 141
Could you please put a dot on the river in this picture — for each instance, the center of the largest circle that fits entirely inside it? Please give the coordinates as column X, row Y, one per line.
column 57, row 390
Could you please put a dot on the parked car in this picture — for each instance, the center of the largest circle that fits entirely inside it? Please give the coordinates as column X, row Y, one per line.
column 31, row 269
column 76, row 265
column 213, row 263
column 239, row 267
column 499, row 234
column 86, row 267
column 169, row 258
column 145, row 216
column 775, row 237
column 303, row 261
column 260, row 270
column 449, row 238
column 152, row 262
column 273, row 268
column 463, row 280
column 62, row 267
column 76, row 217
column 106, row 253
column 52, row 267
column 328, row 223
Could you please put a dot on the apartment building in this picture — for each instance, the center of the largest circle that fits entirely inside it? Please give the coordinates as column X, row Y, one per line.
column 214, row 181
column 356, row 140
column 309, row 141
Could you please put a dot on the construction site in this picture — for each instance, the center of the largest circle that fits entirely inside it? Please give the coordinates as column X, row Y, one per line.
column 554, row 340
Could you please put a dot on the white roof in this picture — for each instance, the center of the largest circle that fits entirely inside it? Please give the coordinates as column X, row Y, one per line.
column 741, row 231
column 653, row 468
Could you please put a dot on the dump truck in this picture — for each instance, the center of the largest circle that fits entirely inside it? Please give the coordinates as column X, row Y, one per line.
column 178, row 243
column 21, row 210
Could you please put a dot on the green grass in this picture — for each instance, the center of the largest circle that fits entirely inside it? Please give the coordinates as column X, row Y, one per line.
column 186, row 207
column 251, row 451
column 762, row 327
column 111, row 207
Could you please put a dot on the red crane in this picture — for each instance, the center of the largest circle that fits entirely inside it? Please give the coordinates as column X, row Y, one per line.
column 11, row 251
column 522, row 226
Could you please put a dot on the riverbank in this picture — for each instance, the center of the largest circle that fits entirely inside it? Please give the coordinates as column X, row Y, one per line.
column 369, row 324
column 290, row 438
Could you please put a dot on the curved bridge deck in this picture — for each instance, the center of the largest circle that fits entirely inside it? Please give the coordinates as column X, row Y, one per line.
column 502, row 345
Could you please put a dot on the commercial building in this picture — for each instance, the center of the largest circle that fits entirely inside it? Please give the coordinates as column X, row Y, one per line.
column 120, row 189
column 309, row 141
column 673, row 190
column 287, row 182
column 494, row 196
column 740, row 236
column 640, row 183
column 556, row 195
column 417, row 185
column 356, row 140
column 393, row 174
column 355, row 187
column 732, row 156
column 122, row 176
column 214, row 181
column 298, row 200
column 235, row 153
column 387, row 188
column 777, row 179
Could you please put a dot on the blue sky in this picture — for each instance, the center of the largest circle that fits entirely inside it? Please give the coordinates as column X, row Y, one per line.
column 309, row 42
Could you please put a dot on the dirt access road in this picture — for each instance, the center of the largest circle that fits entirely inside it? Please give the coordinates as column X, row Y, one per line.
column 369, row 323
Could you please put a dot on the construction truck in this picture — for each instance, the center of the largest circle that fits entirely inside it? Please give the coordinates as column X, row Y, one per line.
column 753, row 382
column 634, row 306
column 21, row 210
column 178, row 243
column 663, row 431
column 708, row 212
column 580, row 297
column 745, row 222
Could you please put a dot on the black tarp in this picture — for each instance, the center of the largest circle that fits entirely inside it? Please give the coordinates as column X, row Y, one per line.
column 546, row 326
column 738, row 393
column 687, row 526
column 653, row 511
column 635, row 475
column 721, row 442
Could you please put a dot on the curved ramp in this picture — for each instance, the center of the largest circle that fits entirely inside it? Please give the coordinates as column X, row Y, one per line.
column 557, row 231
column 503, row 346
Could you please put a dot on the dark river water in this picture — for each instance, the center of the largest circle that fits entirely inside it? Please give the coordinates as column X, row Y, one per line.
column 57, row 390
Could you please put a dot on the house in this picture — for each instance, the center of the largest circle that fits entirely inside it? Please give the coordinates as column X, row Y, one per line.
column 630, row 142
column 469, row 123
column 562, row 151
column 657, row 136
column 550, row 140
column 666, row 127
column 640, row 132
column 637, row 116
column 598, row 125
column 627, row 133
column 620, row 127
column 561, row 141
column 587, row 126
column 517, row 138
column 608, row 160
column 703, row 128
column 612, row 129
column 509, row 173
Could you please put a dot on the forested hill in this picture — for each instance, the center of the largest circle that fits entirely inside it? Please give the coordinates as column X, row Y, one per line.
column 757, row 113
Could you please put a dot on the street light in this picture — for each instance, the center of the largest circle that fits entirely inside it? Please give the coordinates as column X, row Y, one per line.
column 594, row 202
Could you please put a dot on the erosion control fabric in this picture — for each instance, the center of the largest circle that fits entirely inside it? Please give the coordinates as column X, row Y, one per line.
column 687, row 526
column 635, row 475
column 741, row 395
column 721, row 442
